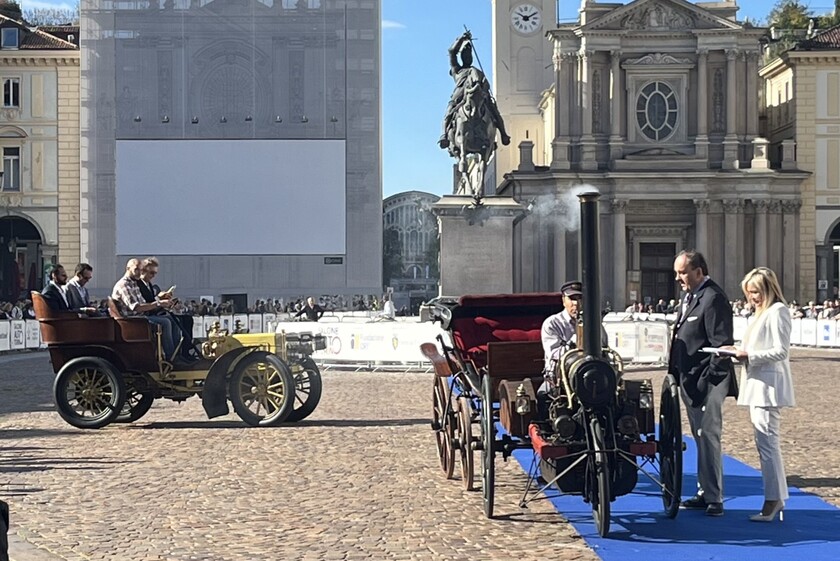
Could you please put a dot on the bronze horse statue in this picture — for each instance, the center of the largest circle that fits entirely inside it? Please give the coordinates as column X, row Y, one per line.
column 472, row 120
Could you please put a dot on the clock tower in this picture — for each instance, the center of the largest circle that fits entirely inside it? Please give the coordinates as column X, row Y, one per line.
column 522, row 71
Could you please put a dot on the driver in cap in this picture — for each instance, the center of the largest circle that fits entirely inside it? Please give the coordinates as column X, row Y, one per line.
column 559, row 331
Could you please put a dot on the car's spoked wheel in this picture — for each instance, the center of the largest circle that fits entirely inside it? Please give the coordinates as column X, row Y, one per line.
column 488, row 439
column 89, row 392
column 670, row 447
column 262, row 389
column 466, row 439
column 442, row 424
column 307, row 390
column 136, row 405
column 598, row 480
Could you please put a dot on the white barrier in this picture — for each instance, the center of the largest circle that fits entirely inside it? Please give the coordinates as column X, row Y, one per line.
column 634, row 340
column 369, row 342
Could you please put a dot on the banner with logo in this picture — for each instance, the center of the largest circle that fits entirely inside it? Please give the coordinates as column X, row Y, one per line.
column 33, row 334
column 18, row 334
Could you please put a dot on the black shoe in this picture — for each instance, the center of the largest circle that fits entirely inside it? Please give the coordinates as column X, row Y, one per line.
column 696, row 502
column 714, row 509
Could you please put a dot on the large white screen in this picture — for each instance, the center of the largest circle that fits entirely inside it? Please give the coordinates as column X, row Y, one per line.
column 230, row 197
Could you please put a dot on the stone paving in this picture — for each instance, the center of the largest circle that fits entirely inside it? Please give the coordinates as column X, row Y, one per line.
column 358, row 480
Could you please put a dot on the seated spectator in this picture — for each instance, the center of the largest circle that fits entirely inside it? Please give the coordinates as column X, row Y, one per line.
column 661, row 307
column 53, row 293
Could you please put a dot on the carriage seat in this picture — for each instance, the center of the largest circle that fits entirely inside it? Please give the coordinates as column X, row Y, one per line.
column 64, row 327
column 473, row 334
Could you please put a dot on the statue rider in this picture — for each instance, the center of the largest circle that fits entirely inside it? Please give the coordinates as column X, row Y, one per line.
column 460, row 71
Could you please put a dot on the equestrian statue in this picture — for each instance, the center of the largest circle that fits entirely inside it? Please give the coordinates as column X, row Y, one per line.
column 471, row 121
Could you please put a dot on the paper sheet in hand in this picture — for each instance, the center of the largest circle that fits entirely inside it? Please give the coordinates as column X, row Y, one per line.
column 717, row 351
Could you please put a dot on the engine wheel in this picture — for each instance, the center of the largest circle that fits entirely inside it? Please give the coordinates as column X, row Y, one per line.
column 598, row 480
column 307, row 390
column 670, row 448
column 136, row 405
column 89, row 392
column 466, row 438
column 262, row 389
column 444, row 427
column 488, row 439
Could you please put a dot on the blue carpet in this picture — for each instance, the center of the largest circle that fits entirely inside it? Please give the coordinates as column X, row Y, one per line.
column 639, row 530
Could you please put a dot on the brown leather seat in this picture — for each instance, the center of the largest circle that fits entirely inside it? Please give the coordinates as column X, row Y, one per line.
column 63, row 327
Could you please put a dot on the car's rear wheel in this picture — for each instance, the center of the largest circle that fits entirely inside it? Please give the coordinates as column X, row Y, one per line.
column 89, row 392
column 136, row 405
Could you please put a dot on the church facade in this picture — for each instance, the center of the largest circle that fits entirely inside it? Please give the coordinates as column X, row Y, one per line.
column 656, row 105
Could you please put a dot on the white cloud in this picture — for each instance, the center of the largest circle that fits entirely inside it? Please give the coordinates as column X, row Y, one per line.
column 45, row 4
column 390, row 24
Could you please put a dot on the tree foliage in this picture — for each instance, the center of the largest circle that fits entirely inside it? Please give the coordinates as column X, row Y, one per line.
column 51, row 16
column 790, row 14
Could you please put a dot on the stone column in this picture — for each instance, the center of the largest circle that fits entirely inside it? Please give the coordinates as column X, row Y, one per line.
column 760, row 233
column 619, row 243
column 790, row 235
column 560, row 144
column 733, row 210
column 716, row 240
column 588, row 159
column 559, row 256
column 774, row 235
column 701, row 241
column 730, row 142
column 701, row 142
column 752, row 95
column 615, row 106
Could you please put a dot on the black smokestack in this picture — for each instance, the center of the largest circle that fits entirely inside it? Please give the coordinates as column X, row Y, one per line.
column 589, row 247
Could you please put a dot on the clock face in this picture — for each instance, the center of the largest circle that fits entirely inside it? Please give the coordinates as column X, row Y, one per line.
column 526, row 18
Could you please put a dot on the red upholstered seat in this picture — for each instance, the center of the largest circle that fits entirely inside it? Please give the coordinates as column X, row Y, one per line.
column 471, row 335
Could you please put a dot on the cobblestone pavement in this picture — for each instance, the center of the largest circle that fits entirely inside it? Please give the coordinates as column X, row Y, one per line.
column 358, row 480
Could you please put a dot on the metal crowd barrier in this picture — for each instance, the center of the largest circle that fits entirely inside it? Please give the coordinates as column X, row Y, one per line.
column 359, row 338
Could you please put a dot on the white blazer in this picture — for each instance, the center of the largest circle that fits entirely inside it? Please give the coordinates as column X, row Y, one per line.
column 766, row 380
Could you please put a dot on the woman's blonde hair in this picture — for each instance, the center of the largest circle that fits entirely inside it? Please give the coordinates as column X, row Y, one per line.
column 765, row 281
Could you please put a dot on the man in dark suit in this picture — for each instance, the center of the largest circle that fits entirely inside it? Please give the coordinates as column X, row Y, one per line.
column 53, row 293
column 76, row 293
column 705, row 379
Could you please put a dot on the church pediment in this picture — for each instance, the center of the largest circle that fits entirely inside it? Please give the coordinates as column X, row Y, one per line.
column 660, row 15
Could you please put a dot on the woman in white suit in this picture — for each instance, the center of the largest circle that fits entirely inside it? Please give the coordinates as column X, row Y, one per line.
column 766, row 383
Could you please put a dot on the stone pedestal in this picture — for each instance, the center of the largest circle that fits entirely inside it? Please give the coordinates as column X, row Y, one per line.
column 476, row 244
column 760, row 159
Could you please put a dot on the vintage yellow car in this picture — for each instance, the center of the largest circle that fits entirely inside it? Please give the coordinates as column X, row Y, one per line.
column 111, row 369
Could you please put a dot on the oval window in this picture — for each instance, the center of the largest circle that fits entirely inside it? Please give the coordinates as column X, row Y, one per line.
column 656, row 111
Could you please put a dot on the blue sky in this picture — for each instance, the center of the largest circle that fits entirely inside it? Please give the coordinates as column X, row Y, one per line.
column 416, row 84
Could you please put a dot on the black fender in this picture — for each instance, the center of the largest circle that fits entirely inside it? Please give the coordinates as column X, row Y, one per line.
column 214, row 394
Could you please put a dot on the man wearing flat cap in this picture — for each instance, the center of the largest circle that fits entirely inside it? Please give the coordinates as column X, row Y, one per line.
column 560, row 329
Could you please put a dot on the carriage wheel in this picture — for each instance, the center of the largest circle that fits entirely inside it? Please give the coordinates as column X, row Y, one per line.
column 670, row 448
column 598, row 480
column 443, row 426
column 466, row 438
column 488, row 438
column 262, row 389
column 307, row 390
column 89, row 392
column 136, row 405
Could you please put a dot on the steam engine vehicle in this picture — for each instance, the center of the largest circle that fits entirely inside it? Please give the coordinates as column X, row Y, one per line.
column 111, row 369
column 592, row 431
